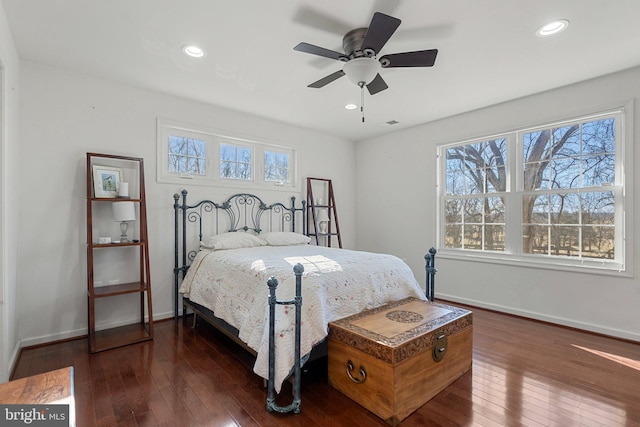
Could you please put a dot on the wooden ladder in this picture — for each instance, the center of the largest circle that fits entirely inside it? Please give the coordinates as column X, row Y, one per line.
column 319, row 211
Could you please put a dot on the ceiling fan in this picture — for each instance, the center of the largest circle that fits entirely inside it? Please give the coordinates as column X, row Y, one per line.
column 361, row 49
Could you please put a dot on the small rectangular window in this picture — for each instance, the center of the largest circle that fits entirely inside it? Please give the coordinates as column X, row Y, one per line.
column 235, row 162
column 276, row 166
column 209, row 157
column 187, row 155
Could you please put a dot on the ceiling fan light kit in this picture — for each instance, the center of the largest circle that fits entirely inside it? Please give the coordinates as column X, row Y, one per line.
column 361, row 48
column 361, row 71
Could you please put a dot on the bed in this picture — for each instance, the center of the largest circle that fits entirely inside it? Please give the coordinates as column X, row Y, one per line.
column 226, row 252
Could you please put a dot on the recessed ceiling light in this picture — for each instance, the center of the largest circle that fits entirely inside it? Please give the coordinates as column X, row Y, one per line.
column 552, row 28
column 193, row 51
column 351, row 106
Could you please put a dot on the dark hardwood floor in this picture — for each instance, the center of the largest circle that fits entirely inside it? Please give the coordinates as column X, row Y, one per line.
column 524, row 373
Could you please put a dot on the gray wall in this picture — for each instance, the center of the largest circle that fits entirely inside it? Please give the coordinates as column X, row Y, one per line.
column 63, row 116
column 9, row 152
column 397, row 205
column 388, row 203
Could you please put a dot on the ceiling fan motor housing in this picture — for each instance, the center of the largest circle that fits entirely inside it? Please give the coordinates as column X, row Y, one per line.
column 352, row 44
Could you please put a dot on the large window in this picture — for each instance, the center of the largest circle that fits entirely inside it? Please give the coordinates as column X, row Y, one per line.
column 208, row 157
column 551, row 194
column 474, row 202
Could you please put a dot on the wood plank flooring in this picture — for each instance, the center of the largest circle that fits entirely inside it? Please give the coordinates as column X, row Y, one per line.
column 524, row 373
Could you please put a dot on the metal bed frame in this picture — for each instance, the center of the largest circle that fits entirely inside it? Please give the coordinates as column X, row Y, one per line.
column 245, row 212
column 240, row 212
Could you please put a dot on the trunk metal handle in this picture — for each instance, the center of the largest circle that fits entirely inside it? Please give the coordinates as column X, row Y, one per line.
column 363, row 373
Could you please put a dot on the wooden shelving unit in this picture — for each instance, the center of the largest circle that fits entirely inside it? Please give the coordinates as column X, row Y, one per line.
column 143, row 329
column 319, row 211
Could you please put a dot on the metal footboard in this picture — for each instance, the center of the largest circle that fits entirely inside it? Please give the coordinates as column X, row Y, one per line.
column 298, row 269
column 430, row 267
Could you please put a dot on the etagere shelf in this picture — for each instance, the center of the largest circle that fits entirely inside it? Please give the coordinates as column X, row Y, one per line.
column 142, row 330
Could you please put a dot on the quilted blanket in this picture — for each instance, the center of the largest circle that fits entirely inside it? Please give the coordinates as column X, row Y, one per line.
column 336, row 283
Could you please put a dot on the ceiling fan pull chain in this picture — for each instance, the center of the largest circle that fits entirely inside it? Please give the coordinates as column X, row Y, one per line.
column 362, row 100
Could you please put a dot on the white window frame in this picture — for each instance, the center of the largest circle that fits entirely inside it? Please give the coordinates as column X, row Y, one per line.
column 213, row 139
column 189, row 136
column 513, row 253
column 277, row 151
column 236, row 144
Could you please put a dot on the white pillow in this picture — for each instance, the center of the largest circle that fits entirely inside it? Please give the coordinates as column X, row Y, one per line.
column 233, row 240
column 284, row 238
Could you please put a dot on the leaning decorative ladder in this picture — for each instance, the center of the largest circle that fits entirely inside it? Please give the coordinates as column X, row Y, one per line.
column 316, row 207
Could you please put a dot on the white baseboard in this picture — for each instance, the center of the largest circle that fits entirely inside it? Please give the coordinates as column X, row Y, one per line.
column 613, row 332
column 28, row 342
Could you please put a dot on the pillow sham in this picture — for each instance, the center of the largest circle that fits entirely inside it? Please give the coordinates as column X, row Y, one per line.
column 232, row 240
column 284, row 238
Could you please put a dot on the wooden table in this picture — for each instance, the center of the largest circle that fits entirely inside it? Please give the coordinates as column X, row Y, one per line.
column 54, row 387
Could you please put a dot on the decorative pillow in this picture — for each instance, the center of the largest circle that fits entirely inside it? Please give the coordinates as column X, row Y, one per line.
column 284, row 238
column 233, row 240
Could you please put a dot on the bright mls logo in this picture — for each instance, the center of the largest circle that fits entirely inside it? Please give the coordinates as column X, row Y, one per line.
column 35, row 415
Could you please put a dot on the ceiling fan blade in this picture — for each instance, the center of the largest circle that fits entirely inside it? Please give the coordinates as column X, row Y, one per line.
column 377, row 85
column 380, row 31
column 323, row 21
column 326, row 80
column 317, row 50
column 419, row 58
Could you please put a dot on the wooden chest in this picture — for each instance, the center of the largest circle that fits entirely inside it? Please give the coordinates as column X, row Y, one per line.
column 394, row 358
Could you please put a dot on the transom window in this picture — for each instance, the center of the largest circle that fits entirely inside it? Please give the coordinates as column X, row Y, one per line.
column 553, row 193
column 208, row 157
column 276, row 166
column 187, row 155
column 235, row 162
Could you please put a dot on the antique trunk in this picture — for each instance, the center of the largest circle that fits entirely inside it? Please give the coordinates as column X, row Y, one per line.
column 394, row 358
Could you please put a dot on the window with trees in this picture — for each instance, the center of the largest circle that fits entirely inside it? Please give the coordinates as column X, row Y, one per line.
column 276, row 166
column 187, row 155
column 208, row 157
column 235, row 162
column 553, row 193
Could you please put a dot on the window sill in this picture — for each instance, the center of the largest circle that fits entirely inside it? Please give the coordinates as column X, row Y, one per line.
column 575, row 265
column 228, row 183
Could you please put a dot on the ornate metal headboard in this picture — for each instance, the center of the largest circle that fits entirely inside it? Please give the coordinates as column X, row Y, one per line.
column 241, row 212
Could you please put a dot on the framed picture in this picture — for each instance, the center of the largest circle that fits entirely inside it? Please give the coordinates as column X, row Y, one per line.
column 106, row 180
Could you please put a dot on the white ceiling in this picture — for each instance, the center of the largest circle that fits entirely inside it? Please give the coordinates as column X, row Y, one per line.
column 488, row 52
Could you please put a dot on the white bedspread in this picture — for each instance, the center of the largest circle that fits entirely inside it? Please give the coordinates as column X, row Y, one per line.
column 336, row 283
